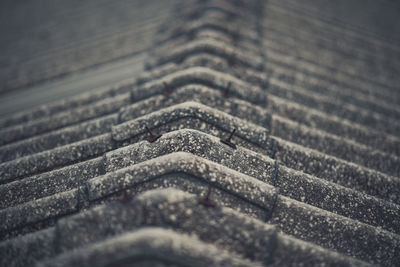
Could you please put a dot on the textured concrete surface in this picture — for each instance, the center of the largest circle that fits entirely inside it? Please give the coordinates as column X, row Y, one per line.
column 252, row 133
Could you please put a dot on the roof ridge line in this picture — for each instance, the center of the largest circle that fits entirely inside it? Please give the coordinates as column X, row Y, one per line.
column 209, row 46
column 256, row 165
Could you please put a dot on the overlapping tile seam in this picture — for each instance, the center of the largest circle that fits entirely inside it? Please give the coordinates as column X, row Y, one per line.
column 313, row 183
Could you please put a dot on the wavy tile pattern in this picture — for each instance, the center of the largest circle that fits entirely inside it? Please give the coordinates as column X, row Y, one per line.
column 236, row 147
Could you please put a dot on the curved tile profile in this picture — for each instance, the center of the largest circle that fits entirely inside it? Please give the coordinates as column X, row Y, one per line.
column 49, row 183
column 331, row 75
column 204, row 35
column 201, row 94
column 204, row 76
column 323, row 87
column 183, row 170
column 62, row 119
column 248, row 142
column 213, row 62
column 55, row 158
column 334, row 145
column 336, row 170
column 246, row 237
column 211, row 47
column 211, row 23
column 150, row 247
column 242, row 187
column 291, row 210
column 308, row 189
column 38, row 214
column 173, row 207
column 329, row 123
column 329, row 105
column 56, row 138
column 65, row 104
column 246, row 130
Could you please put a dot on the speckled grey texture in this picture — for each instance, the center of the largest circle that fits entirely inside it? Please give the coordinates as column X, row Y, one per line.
column 350, row 237
column 319, row 166
column 296, row 185
column 57, row 157
column 48, row 183
column 204, row 76
column 18, row 219
column 179, row 210
column 241, row 187
column 336, row 146
column 371, row 139
column 28, row 249
column 65, row 118
column 199, row 186
column 211, row 47
column 200, row 94
column 245, row 130
column 58, row 138
column 120, row 219
column 344, row 110
column 330, row 123
column 207, row 34
column 197, row 143
column 309, row 78
column 336, row 170
column 316, row 71
column 152, row 247
column 209, row 147
column 210, row 61
column 174, row 209
column 319, row 87
column 315, row 231
column 197, row 124
column 366, row 102
column 388, row 112
column 338, row 199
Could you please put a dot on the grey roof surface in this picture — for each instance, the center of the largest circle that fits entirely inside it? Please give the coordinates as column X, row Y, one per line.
column 93, row 32
column 245, row 141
